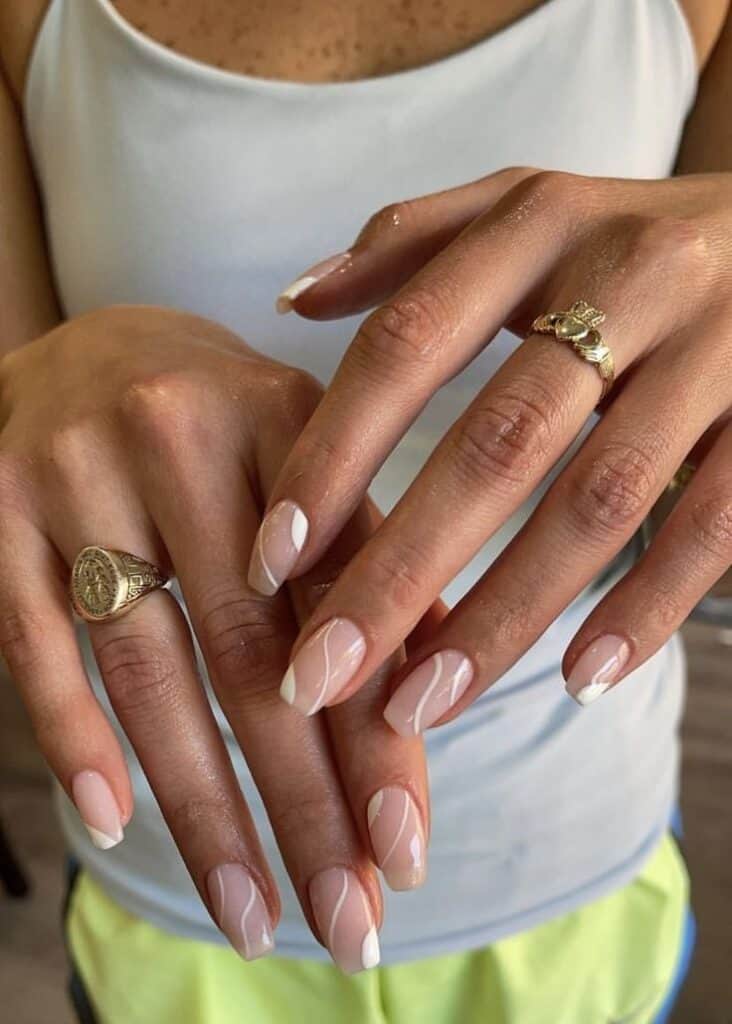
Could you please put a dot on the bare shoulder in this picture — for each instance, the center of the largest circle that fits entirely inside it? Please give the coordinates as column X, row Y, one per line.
column 706, row 19
column 19, row 24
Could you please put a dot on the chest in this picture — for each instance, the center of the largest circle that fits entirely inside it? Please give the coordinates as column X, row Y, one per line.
column 320, row 40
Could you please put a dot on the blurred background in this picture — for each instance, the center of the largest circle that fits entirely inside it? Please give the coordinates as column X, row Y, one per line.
column 32, row 962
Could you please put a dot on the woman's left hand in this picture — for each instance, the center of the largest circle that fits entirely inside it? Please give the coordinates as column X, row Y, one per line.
column 451, row 269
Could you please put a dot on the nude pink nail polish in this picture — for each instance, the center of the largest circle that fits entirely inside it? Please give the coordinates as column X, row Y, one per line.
column 397, row 837
column 344, row 918
column 597, row 668
column 98, row 809
column 306, row 280
column 240, row 910
column 428, row 692
column 323, row 666
column 280, row 540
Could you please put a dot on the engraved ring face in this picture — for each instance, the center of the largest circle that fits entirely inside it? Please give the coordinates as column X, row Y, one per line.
column 97, row 587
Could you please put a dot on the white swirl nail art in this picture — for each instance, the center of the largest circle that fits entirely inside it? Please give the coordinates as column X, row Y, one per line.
column 323, row 666
column 397, row 837
column 343, row 914
column 240, row 910
column 428, row 692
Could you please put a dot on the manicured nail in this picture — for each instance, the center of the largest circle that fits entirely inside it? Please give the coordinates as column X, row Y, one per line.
column 286, row 297
column 98, row 809
column 344, row 918
column 328, row 661
column 428, row 692
column 280, row 540
column 597, row 668
column 240, row 910
column 397, row 837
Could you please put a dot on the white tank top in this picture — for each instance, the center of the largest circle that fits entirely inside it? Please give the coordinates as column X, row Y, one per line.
column 167, row 181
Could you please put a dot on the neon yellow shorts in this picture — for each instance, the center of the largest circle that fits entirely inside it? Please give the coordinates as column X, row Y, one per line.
column 612, row 961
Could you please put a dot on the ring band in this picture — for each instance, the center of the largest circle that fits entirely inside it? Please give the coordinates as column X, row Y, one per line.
column 578, row 327
column 681, row 477
column 105, row 583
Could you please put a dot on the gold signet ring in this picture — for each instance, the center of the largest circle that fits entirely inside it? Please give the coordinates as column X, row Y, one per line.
column 105, row 583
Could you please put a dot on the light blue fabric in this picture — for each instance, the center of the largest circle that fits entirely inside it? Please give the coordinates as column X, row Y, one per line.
column 170, row 182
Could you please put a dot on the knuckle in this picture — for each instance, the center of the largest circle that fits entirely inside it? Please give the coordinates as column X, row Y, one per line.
column 192, row 815
column 296, row 392
column 408, row 329
column 398, row 574
column 712, row 525
column 19, row 633
column 552, row 190
column 394, row 216
column 242, row 636
column 302, row 816
column 506, row 439
column 673, row 240
column 614, row 492
column 139, row 673
column 159, row 403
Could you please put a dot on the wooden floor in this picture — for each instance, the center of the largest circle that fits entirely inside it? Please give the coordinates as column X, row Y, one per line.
column 32, row 969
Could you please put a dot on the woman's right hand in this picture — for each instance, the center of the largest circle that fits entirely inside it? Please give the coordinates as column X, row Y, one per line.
column 160, row 433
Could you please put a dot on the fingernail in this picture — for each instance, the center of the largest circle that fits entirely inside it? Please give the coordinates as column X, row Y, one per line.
column 345, row 922
column 308, row 279
column 280, row 540
column 328, row 661
column 597, row 668
column 428, row 692
column 98, row 809
column 397, row 837
column 240, row 910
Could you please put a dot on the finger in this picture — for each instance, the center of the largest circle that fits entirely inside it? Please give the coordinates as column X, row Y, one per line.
column 391, row 247
column 488, row 464
column 245, row 639
column 692, row 550
column 384, row 776
column 38, row 643
column 413, row 344
column 588, row 515
column 147, row 663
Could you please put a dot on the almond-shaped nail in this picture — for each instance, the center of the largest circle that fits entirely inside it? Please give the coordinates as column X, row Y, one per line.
column 345, row 920
column 311, row 276
column 428, row 692
column 240, row 910
column 597, row 668
column 323, row 666
column 397, row 837
column 279, row 542
column 98, row 809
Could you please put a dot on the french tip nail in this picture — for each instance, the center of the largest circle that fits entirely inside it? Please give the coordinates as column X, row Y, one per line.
column 286, row 298
column 283, row 305
column 588, row 694
column 102, row 841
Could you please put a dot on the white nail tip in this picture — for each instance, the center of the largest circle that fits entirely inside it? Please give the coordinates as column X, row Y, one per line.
column 102, row 841
column 374, row 807
column 287, row 688
column 590, row 693
column 299, row 529
column 288, row 296
column 370, row 952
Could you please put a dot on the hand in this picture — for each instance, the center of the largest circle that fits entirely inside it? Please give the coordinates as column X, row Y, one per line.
column 451, row 269
column 161, row 434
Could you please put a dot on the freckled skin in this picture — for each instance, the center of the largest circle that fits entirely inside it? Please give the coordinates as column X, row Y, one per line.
column 320, row 40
